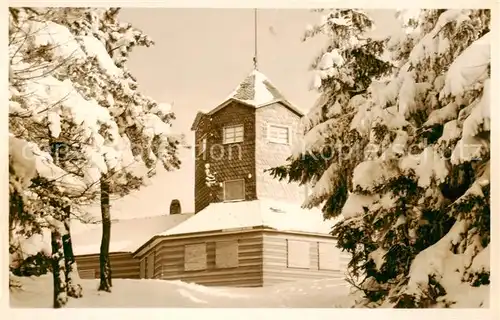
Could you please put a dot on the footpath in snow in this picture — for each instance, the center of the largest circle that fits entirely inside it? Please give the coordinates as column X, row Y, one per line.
column 37, row 293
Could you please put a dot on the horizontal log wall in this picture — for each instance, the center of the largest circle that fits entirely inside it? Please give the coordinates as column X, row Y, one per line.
column 276, row 269
column 262, row 261
column 169, row 261
column 123, row 265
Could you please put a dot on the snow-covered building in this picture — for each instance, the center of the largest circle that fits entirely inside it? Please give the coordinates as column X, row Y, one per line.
column 127, row 235
column 248, row 229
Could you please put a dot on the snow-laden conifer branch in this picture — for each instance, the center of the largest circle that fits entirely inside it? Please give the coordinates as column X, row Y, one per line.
column 415, row 197
column 69, row 90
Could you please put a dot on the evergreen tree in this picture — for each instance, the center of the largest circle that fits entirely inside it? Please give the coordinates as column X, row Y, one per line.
column 71, row 95
column 343, row 72
column 141, row 120
column 416, row 216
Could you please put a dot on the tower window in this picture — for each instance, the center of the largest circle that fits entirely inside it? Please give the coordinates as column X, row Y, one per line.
column 203, row 145
column 278, row 134
column 234, row 190
column 233, row 134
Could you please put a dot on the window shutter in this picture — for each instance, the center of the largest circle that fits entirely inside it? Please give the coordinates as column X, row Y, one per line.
column 226, row 254
column 299, row 254
column 195, row 257
column 329, row 256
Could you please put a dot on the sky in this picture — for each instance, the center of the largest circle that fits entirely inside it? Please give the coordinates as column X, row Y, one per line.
column 199, row 57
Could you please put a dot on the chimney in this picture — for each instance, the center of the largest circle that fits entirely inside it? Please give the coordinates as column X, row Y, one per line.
column 175, row 207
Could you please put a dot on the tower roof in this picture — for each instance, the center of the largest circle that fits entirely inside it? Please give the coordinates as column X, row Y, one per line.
column 254, row 91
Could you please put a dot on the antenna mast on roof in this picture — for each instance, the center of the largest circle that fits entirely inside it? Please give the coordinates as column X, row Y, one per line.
column 255, row 38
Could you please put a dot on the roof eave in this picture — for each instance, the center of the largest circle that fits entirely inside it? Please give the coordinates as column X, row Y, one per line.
column 286, row 103
column 200, row 114
column 197, row 119
column 227, row 102
column 190, row 234
column 94, row 253
column 263, row 228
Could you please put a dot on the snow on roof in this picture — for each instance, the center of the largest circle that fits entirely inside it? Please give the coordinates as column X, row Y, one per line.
column 255, row 90
column 127, row 235
column 257, row 213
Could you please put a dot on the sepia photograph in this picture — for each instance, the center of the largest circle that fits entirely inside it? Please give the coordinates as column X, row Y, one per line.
column 249, row 157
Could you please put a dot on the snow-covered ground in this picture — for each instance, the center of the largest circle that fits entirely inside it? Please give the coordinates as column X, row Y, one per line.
column 37, row 293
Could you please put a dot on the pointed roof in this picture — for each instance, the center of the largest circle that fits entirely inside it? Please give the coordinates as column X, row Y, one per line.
column 257, row 90
column 254, row 91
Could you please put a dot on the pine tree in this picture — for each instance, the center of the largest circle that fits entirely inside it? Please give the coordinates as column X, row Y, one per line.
column 434, row 201
column 22, row 170
column 36, row 62
column 67, row 91
column 36, row 204
column 343, row 72
column 416, row 216
column 141, row 120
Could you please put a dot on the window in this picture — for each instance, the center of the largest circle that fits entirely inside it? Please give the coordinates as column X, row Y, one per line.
column 87, row 273
column 226, row 254
column 195, row 257
column 328, row 256
column 203, row 145
column 278, row 134
column 233, row 134
column 298, row 254
column 234, row 190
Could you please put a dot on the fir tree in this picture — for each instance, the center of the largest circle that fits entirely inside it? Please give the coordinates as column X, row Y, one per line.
column 343, row 72
column 416, row 213
column 71, row 92
column 143, row 122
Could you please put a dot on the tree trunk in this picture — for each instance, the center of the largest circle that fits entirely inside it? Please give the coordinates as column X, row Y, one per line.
column 71, row 271
column 105, row 264
column 58, row 270
column 58, row 254
column 15, row 211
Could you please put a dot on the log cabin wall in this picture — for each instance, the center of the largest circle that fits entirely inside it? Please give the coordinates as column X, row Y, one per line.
column 252, row 258
column 231, row 259
column 123, row 265
column 291, row 257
